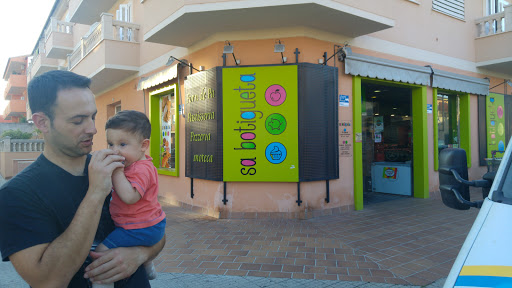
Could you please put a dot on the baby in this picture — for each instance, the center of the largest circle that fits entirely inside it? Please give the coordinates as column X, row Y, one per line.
column 134, row 207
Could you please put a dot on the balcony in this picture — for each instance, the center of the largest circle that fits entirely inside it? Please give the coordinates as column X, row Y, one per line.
column 494, row 35
column 15, row 66
column 41, row 64
column 58, row 39
column 195, row 22
column 15, row 108
column 16, row 85
column 88, row 11
column 108, row 54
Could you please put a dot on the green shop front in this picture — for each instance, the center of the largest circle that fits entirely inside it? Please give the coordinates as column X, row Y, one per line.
column 289, row 141
column 391, row 115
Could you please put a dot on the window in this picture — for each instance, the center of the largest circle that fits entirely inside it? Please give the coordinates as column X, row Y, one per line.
column 113, row 108
column 493, row 7
column 165, row 129
column 124, row 14
column 448, row 121
column 452, row 122
column 454, row 8
column 496, row 6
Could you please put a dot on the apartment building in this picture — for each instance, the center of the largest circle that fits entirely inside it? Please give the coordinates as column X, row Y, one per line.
column 296, row 108
column 16, row 89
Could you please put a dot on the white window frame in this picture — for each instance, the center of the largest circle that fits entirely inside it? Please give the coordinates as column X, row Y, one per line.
column 124, row 14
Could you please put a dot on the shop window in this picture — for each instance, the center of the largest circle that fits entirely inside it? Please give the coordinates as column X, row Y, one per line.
column 448, row 121
column 452, row 123
column 165, row 125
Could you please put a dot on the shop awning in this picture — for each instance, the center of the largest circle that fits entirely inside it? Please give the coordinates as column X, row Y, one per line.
column 158, row 78
column 373, row 67
column 461, row 83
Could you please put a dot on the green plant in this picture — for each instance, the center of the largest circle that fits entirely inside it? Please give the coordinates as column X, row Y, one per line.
column 17, row 134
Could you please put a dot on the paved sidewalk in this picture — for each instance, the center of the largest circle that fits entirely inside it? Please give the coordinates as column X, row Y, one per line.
column 404, row 242
column 401, row 243
column 10, row 279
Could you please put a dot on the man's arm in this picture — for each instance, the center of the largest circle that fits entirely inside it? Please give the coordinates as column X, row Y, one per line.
column 123, row 188
column 119, row 263
column 54, row 264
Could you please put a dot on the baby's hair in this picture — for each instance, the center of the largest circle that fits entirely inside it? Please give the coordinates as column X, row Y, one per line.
column 131, row 121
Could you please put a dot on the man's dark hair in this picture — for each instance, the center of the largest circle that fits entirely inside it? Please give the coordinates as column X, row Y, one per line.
column 43, row 89
column 131, row 121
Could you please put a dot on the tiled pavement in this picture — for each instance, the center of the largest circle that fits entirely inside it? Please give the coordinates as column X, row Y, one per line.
column 391, row 244
column 407, row 241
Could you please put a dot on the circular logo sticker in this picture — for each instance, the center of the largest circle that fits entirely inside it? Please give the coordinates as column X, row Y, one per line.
column 501, row 129
column 275, row 95
column 275, row 153
column 501, row 146
column 275, row 124
column 500, row 112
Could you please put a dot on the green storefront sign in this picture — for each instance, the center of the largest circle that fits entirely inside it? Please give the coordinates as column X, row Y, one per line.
column 495, row 119
column 260, row 124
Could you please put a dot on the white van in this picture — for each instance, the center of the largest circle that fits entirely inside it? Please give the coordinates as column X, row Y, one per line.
column 485, row 259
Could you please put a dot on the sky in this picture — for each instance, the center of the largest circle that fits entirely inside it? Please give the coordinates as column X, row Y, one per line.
column 21, row 21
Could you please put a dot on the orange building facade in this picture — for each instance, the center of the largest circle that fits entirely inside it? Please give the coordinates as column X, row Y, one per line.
column 16, row 89
column 291, row 109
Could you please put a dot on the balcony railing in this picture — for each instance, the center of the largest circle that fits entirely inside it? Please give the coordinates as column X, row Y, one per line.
column 107, row 29
column 58, row 26
column 21, row 145
column 495, row 24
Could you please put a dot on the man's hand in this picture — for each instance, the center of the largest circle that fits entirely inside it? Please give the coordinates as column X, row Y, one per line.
column 102, row 165
column 113, row 265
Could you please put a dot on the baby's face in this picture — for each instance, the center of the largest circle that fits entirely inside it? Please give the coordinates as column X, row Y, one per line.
column 130, row 146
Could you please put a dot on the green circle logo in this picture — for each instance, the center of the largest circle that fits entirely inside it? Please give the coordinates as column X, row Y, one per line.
column 275, row 124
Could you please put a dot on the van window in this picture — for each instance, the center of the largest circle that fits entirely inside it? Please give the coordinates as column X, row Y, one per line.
column 503, row 193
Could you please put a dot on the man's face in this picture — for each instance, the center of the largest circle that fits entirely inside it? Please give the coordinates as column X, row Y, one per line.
column 72, row 128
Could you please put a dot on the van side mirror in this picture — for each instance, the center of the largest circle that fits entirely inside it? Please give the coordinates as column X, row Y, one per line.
column 453, row 159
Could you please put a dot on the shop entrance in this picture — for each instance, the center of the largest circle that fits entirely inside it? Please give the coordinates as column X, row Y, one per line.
column 387, row 134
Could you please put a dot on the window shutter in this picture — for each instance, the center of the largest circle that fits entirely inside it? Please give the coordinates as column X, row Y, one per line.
column 454, row 8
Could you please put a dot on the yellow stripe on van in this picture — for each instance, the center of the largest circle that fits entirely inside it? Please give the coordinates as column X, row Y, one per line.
column 500, row 271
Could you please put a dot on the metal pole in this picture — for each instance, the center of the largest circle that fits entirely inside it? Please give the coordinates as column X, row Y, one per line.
column 191, row 187
column 225, row 200
column 298, row 194
column 327, row 199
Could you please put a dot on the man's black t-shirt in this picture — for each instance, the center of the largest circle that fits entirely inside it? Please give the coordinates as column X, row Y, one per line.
column 38, row 204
